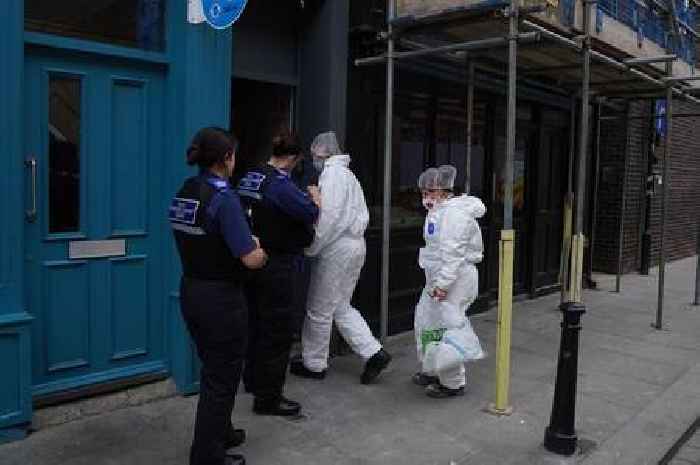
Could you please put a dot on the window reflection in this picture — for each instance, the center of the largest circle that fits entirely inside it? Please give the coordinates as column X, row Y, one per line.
column 64, row 154
column 128, row 23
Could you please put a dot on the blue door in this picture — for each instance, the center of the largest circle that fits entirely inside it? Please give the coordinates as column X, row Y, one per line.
column 94, row 236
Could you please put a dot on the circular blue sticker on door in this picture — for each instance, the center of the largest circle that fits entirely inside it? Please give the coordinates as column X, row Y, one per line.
column 220, row 14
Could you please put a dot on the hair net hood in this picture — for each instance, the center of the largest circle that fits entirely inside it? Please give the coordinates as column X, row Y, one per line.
column 469, row 205
column 325, row 145
column 442, row 177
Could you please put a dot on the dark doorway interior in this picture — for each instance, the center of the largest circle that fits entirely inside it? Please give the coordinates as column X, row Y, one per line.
column 259, row 110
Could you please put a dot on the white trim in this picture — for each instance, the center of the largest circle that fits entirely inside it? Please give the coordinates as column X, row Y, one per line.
column 192, row 230
column 195, row 12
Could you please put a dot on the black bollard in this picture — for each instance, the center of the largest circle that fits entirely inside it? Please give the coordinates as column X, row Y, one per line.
column 560, row 435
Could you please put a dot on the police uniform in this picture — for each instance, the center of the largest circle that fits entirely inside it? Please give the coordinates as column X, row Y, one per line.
column 211, row 233
column 282, row 217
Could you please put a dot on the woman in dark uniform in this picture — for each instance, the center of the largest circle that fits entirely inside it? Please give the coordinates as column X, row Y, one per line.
column 215, row 247
column 283, row 217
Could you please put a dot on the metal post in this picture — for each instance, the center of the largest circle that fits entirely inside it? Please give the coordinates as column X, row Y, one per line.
column 664, row 197
column 560, row 435
column 470, row 124
column 506, row 245
column 623, row 208
column 583, row 135
column 648, row 196
column 388, row 141
column 594, row 195
column 696, row 300
column 564, row 266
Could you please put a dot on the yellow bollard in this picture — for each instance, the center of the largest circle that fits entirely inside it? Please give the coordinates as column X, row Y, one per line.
column 503, row 336
column 565, row 260
column 576, row 274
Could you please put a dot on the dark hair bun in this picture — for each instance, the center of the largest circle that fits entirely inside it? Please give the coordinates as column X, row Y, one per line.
column 286, row 144
column 211, row 146
column 193, row 154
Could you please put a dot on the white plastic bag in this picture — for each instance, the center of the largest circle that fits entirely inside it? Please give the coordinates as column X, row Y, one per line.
column 445, row 336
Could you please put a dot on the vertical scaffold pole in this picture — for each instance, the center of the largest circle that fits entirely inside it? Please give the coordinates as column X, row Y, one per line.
column 386, row 201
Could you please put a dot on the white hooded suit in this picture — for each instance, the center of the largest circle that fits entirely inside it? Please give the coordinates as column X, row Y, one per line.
column 444, row 336
column 339, row 246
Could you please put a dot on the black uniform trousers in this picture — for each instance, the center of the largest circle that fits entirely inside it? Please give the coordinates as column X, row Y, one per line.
column 302, row 280
column 216, row 316
column 270, row 294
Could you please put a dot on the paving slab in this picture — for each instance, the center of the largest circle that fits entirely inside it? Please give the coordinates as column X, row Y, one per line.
column 637, row 393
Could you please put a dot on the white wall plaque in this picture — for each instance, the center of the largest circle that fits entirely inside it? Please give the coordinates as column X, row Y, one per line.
column 195, row 12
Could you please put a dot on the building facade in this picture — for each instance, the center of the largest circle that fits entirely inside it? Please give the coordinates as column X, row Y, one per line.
column 101, row 98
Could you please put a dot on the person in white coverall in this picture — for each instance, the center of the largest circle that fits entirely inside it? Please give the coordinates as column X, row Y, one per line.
column 453, row 247
column 339, row 248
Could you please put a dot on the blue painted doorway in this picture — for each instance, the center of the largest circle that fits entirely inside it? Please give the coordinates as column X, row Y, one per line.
column 94, row 239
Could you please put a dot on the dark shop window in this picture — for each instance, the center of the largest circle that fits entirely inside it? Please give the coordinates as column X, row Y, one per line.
column 127, row 23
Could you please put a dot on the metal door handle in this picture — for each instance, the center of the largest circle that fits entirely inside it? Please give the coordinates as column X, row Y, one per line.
column 31, row 213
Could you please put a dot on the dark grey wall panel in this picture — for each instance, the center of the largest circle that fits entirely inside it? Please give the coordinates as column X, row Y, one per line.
column 324, row 61
column 265, row 42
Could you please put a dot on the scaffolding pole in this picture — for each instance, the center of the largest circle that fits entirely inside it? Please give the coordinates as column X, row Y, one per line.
column 472, row 45
column 623, row 208
column 388, row 142
column 596, row 184
column 696, row 299
column 471, row 75
column 565, row 260
column 664, row 197
column 602, row 58
column 584, row 123
column 501, row 406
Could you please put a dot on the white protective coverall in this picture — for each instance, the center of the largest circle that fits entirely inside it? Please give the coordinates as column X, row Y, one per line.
column 444, row 336
column 339, row 246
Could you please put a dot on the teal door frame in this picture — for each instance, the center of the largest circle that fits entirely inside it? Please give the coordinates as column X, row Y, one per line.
column 197, row 93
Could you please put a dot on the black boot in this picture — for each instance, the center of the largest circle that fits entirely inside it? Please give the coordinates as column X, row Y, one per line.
column 280, row 407
column 234, row 438
column 438, row 391
column 297, row 368
column 234, row 459
column 375, row 365
column 421, row 379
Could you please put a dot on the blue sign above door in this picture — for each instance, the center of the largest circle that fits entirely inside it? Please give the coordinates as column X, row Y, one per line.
column 221, row 14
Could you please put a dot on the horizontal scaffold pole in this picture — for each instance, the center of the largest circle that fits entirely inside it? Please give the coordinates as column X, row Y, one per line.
column 481, row 44
column 602, row 58
column 650, row 60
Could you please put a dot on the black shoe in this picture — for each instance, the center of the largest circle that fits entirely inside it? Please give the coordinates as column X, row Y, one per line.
column 279, row 406
column 438, row 391
column 297, row 368
column 234, row 459
column 375, row 365
column 422, row 379
column 234, row 438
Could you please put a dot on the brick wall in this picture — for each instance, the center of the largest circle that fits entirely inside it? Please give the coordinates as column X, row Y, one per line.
column 683, row 215
column 611, row 165
column 639, row 134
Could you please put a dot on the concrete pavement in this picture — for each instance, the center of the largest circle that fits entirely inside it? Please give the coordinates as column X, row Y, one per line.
column 638, row 392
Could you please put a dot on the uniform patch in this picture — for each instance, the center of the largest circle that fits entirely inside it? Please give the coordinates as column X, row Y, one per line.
column 183, row 211
column 431, row 229
column 251, row 185
column 218, row 184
